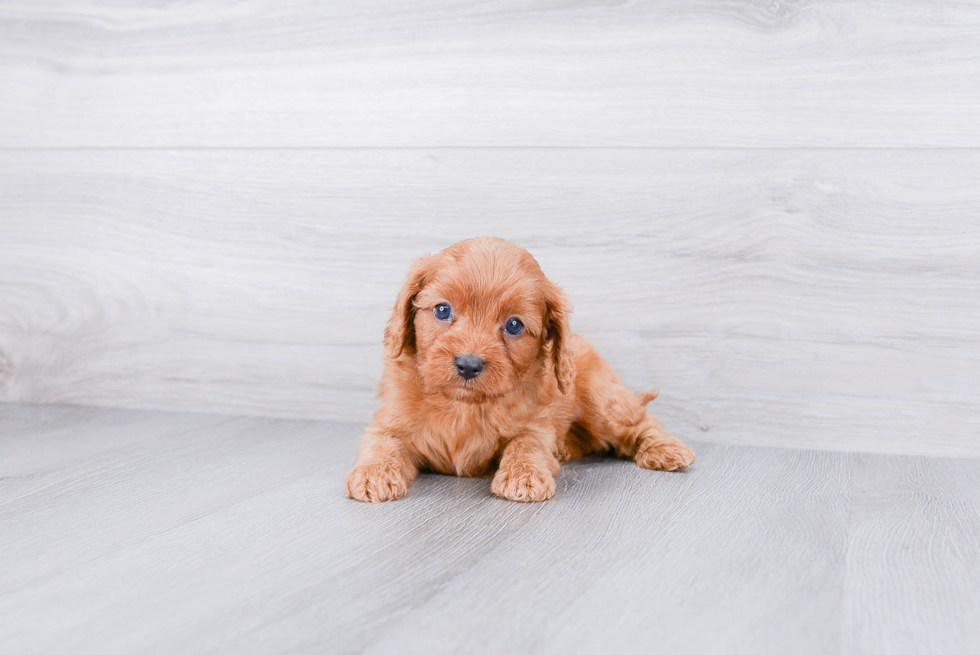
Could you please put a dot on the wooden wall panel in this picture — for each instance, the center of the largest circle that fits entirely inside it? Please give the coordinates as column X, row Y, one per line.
column 826, row 298
column 383, row 73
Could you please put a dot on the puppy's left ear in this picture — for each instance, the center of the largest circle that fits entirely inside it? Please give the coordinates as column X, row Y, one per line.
column 558, row 333
column 400, row 330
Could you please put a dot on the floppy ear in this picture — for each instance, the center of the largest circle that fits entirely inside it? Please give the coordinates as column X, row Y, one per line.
column 558, row 333
column 400, row 330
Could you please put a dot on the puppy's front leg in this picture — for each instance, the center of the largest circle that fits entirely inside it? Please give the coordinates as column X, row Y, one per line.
column 383, row 469
column 528, row 466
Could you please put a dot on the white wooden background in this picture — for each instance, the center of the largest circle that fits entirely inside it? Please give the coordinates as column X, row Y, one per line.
column 769, row 209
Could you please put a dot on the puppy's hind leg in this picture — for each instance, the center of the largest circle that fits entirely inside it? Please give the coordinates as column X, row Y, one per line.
column 654, row 448
column 616, row 418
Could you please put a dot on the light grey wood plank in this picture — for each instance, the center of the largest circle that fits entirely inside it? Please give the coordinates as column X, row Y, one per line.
column 47, row 442
column 914, row 557
column 159, row 532
column 455, row 72
column 822, row 299
column 236, row 537
column 744, row 554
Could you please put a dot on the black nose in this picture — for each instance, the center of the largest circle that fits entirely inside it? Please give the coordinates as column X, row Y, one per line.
column 468, row 366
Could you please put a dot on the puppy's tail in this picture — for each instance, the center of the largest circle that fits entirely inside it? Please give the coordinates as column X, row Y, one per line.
column 646, row 396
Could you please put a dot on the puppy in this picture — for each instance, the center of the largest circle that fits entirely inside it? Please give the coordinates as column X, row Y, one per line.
column 484, row 378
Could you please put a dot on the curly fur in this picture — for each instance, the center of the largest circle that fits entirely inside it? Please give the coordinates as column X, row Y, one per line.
column 543, row 397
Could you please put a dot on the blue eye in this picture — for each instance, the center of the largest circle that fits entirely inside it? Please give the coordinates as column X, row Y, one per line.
column 513, row 326
column 443, row 312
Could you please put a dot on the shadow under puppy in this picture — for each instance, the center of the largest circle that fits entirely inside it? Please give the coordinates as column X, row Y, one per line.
column 484, row 378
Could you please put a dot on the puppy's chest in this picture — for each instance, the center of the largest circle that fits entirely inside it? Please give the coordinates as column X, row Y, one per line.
column 465, row 444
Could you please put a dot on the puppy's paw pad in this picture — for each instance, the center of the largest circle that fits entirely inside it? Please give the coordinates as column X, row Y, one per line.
column 526, row 485
column 665, row 457
column 375, row 483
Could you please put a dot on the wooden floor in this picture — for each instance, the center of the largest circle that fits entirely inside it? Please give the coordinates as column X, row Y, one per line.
column 136, row 531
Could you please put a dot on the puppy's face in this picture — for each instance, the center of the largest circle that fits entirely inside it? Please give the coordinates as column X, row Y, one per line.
column 479, row 317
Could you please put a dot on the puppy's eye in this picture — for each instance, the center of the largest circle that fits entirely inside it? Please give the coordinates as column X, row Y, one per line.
column 513, row 326
column 443, row 312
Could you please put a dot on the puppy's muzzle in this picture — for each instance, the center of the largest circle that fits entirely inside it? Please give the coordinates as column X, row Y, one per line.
column 468, row 366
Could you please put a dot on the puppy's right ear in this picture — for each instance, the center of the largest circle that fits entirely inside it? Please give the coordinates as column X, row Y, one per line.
column 400, row 331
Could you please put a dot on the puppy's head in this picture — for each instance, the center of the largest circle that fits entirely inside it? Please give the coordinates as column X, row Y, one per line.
column 478, row 318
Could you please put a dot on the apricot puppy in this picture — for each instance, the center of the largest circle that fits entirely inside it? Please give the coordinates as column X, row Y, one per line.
column 484, row 378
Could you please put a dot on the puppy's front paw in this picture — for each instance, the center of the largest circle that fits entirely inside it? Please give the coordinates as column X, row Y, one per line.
column 671, row 455
column 376, row 482
column 525, row 484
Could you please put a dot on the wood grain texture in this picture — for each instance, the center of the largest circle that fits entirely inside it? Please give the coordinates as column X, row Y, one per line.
column 660, row 565
column 511, row 73
column 913, row 557
column 811, row 298
column 153, row 532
